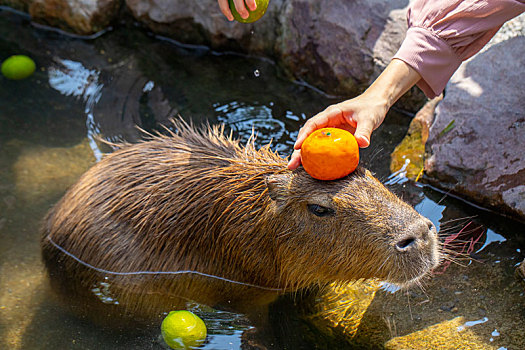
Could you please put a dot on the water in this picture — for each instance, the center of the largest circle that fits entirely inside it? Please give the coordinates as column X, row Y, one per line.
column 106, row 86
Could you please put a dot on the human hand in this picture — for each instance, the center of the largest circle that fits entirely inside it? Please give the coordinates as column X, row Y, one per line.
column 242, row 6
column 363, row 114
column 360, row 116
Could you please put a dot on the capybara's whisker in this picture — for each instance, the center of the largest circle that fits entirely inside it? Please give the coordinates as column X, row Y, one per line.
column 462, row 232
column 462, row 219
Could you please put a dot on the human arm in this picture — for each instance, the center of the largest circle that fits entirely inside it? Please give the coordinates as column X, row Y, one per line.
column 440, row 36
column 242, row 6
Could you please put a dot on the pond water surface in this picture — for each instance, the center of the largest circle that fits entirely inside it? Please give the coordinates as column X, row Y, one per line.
column 126, row 77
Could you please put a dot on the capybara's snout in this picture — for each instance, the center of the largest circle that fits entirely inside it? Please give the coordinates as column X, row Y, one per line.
column 416, row 248
column 420, row 234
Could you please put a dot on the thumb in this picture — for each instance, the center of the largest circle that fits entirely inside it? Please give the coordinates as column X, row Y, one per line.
column 295, row 160
column 363, row 131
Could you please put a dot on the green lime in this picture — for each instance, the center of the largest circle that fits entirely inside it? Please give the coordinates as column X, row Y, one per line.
column 18, row 67
column 262, row 5
column 183, row 330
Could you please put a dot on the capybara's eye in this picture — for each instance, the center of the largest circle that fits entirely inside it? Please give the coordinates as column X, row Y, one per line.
column 321, row 211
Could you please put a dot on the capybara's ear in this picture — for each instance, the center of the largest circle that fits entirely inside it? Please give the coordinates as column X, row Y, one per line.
column 278, row 185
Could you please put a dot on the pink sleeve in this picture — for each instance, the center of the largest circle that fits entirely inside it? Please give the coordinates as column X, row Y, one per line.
column 442, row 34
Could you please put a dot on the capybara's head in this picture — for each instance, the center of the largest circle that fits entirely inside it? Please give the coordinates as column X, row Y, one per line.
column 198, row 209
column 349, row 229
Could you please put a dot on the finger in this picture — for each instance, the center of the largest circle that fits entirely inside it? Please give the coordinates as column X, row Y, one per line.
column 295, row 160
column 330, row 116
column 252, row 5
column 225, row 9
column 363, row 132
column 347, row 127
column 349, row 118
column 241, row 8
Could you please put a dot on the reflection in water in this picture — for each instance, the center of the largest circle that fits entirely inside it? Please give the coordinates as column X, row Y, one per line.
column 495, row 333
column 400, row 176
column 343, row 306
column 389, row 287
column 431, row 210
column 148, row 87
column 492, row 237
column 102, row 292
column 245, row 120
column 73, row 79
column 225, row 329
column 471, row 324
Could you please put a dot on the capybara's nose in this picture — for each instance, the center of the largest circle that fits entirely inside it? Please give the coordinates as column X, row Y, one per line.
column 406, row 244
column 419, row 234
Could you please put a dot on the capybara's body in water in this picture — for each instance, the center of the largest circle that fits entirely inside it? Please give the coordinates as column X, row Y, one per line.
column 196, row 216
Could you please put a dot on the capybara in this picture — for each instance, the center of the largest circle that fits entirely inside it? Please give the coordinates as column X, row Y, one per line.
column 196, row 216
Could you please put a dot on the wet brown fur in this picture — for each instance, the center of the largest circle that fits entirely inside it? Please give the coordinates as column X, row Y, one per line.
column 197, row 200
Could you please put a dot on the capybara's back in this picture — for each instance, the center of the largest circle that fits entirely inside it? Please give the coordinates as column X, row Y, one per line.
column 196, row 216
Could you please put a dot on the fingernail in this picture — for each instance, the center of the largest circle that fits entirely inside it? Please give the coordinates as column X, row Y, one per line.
column 362, row 141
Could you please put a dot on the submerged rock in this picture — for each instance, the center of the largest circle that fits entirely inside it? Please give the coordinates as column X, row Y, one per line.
column 339, row 310
column 409, row 154
column 452, row 334
column 41, row 172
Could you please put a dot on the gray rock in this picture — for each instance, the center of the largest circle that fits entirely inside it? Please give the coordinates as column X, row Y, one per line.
column 77, row 16
column 201, row 22
column 82, row 17
column 482, row 158
column 338, row 46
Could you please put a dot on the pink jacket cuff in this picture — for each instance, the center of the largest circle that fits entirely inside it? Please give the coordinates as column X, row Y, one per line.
column 431, row 57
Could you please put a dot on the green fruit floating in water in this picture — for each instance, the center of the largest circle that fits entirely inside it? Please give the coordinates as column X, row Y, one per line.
column 262, row 5
column 183, row 330
column 18, row 67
